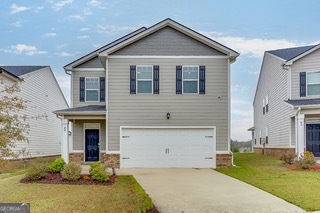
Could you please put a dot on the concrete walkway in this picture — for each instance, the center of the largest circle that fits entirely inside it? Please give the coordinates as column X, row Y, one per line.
column 205, row 190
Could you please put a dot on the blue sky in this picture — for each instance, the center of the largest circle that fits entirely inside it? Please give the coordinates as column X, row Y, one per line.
column 55, row 33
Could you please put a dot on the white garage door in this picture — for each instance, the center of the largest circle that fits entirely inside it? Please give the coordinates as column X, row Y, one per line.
column 163, row 147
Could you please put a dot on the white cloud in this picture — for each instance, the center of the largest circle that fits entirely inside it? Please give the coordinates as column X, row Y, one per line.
column 109, row 29
column 82, row 37
column 23, row 49
column 254, row 47
column 77, row 17
column 66, row 54
column 238, row 102
column 16, row 24
column 94, row 3
column 16, row 9
column 239, row 129
column 84, row 29
column 59, row 5
column 50, row 34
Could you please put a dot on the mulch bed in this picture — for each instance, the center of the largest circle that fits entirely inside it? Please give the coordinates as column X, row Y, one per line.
column 293, row 166
column 56, row 178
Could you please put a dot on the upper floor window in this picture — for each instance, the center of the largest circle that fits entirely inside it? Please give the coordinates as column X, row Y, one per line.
column 92, row 89
column 313, row 83
column 265, row 105
column 144, row 79
column 190, row 78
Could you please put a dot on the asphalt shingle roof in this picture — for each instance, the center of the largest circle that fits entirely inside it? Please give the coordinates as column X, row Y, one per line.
column 304, row 102
column 290, row 53
column 21, row 70
column 89, row 108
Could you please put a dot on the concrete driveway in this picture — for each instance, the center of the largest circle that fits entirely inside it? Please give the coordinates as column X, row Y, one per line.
column 205, row 190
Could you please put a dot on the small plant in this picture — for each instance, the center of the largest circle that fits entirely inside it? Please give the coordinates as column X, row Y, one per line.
column 57, row 165
column 288, row 158
column 98, row 171
column 306, row 160
column 37, row 169
column 71, row 171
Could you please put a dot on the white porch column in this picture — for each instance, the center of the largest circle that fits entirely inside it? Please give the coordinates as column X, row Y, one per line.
column 300, row 136
column 65, row 140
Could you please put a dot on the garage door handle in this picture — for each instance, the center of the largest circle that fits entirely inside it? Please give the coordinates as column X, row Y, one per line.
column 166, row 151
column 125, row 158
column 207, row 158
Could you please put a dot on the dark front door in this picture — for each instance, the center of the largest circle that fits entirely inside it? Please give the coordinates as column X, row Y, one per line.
column 313, row 139
column 92, row 144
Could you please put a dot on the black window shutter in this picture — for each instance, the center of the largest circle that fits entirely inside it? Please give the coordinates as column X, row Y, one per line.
column 132, row 79
column 202, row 80
column 302, row 84
column 102, row 89
column 156, row 79
column 82, row 89
column 179, row 79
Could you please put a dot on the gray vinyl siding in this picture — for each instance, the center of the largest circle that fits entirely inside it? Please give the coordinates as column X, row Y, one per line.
column 127, row 109
column 168, row 41
column 92, row 63
column 44, row 96
column 76, row 86
column 309, row 63
column 273, row 82
column 78, row 134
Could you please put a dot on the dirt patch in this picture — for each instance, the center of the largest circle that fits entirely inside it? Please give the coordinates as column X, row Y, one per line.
column 56, row 178
column 293, row 166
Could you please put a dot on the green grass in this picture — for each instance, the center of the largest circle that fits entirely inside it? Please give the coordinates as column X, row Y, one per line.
column 125, row 195
column 301, row 188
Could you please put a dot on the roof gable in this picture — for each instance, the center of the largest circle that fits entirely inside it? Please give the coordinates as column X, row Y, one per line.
column 175, row 25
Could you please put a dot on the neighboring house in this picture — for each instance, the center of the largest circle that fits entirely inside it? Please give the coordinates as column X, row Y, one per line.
column 287, row 102
column 40, row 89
column 157, row 97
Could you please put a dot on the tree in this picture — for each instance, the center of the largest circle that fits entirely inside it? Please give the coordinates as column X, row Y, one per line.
column 13, row 125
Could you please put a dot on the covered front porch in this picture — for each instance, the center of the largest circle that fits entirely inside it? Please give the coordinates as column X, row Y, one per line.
column 83, row 133
column 305, row 126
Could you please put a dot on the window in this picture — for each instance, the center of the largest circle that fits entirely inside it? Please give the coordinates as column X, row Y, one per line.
column 144, row 79
column 267, row 133
column 267, row 103
column 260, row 134
column 190, row 78
column 313, row 83
column 263, row 106
column 92, row 89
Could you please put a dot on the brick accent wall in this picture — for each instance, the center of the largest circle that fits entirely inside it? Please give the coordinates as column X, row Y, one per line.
column 278, row 152
column 76, row 157
column 224, row 160
column 112, row 160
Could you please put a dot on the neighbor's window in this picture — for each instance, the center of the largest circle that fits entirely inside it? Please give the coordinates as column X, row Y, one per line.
column 190, row 78
column 313, row 83
column 92, row 89
column 144, row 79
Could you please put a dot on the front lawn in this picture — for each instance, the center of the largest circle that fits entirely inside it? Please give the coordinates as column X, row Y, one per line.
column 301, row 188
column 125, row 195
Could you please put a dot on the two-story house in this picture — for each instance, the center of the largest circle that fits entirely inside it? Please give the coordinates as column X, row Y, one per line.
column 287, row 102
column 158, row 97
column 42, row 95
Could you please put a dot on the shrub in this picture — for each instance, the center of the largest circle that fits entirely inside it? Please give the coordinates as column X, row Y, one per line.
column 288, row 158
column 57, row 165
column 37, row 169
column 98, row 171
column 71, row 171
column 306, row 160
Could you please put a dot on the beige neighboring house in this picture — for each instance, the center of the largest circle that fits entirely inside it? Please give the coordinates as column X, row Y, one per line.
column 39, row 87
column 287, row 102
column 158, row 97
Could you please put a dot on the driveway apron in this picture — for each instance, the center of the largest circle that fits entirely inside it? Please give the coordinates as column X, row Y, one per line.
column 205, row 190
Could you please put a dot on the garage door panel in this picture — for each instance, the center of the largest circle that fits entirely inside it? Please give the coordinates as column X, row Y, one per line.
column 167, row 148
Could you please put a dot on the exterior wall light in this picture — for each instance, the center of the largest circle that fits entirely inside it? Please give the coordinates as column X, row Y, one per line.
column 168, row 115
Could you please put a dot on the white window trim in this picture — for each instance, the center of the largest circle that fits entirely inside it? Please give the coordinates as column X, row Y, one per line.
column 85, row 89
column 307, row 84
column 137, row 91
column 191, row 80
